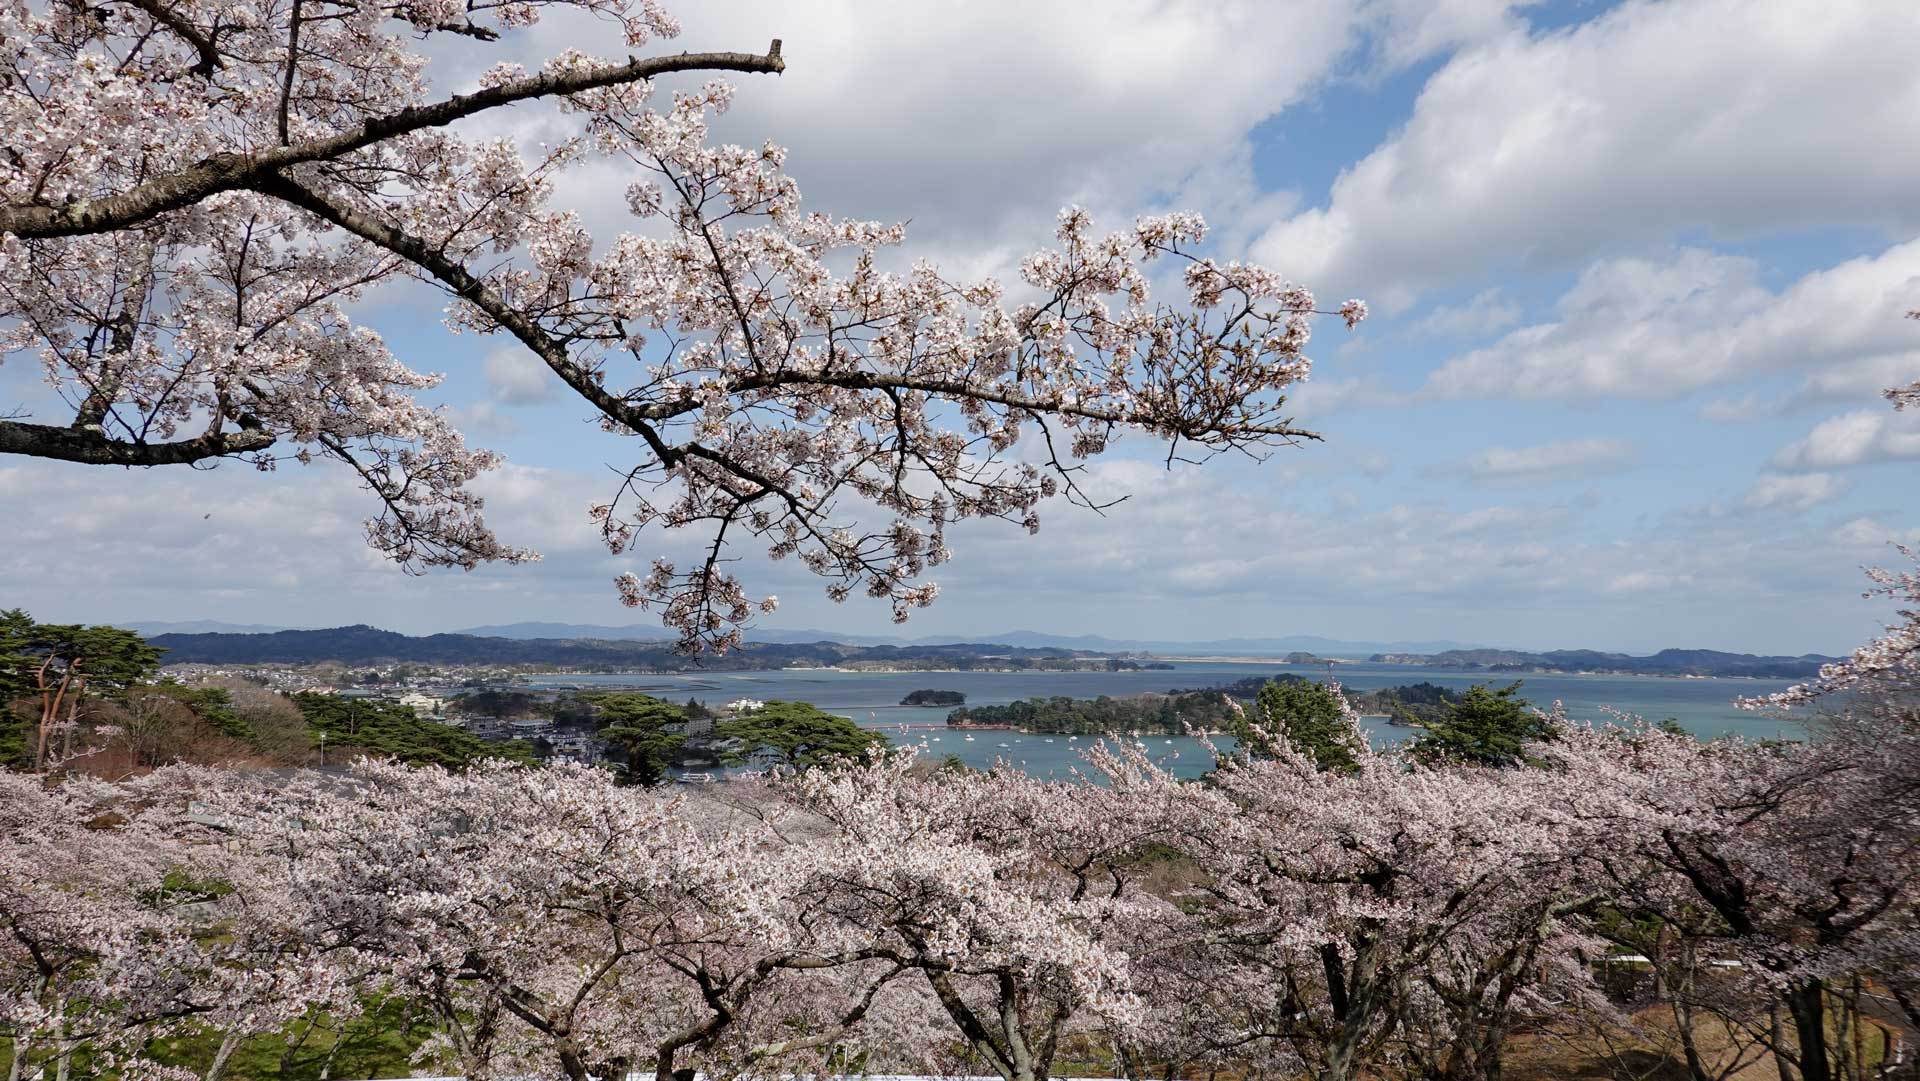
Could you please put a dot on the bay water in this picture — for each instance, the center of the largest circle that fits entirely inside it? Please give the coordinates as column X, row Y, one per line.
column 872, row 700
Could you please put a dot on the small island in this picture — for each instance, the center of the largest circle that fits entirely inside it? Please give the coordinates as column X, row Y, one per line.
column 934, row 698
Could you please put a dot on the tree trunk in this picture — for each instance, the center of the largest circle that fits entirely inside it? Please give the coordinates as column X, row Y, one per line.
column 63, row 1062
column 1660, row 962
column 1858, row 1027
column 227, row 1044
column 50, row 708
column 1359, row 998
column 1806, row 1001
column 1777, row 1040
column 1682, row 1002
column 326, row 1064
column 73, row 722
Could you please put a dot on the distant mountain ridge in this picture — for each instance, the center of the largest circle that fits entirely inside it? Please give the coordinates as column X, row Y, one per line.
column 151, row 627
column 364, row 645
column 1027, row 639
column 1667, row 662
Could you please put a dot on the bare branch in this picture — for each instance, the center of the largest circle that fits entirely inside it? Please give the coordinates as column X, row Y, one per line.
column 90, row 447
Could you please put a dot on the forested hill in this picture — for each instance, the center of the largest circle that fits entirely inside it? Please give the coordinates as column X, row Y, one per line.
column 361, row 644
column 1667, row 662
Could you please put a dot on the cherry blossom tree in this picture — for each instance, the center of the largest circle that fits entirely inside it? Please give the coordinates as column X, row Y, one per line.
column 123, row 924
column 1011, row 897
column 1389, row 919
column 202, row 190
column 555, row 919
column 1807, row 854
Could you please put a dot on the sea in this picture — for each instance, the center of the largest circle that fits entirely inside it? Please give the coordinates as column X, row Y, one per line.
column 1704, row 707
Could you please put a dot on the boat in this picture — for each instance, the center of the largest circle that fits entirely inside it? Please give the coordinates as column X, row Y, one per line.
column 936, row 739
column 1003, row 744
column 969, row 739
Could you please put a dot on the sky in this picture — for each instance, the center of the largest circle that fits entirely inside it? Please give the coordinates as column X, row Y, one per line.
column 1637, row 274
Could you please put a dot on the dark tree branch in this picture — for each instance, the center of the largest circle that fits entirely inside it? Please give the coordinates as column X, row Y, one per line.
column 90, row 447
column 238, row 171
column 202, row 43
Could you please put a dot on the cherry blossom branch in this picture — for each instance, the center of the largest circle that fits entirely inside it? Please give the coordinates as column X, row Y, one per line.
column 231, row 171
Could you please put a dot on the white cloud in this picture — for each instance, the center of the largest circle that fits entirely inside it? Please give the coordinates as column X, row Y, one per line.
column 1866, row 435
column 1870, row 532
column 1543, row 150
column 1748, row 406
column 1530, row 521
column 1641, row 328
column 1318, row 399
column 977, row 123
column 515, row 376
column 1417, row 29
column 1793, row 492
column 1646, row 582
column 485, row 419
column 1550, row 461
column 1863, row 379
column 1484, row 314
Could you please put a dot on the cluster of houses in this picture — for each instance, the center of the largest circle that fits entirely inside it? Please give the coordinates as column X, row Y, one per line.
column 433, row 694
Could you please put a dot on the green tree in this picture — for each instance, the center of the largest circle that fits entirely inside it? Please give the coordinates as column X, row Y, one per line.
column 1487, row 727
column 17, row 664
column 60, row 663
column 389, row 730
column 1308, row 715
column 651, row 732
column 792, row 734
column 213, row 705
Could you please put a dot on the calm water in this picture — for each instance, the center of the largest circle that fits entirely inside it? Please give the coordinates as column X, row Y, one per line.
column 872, row 699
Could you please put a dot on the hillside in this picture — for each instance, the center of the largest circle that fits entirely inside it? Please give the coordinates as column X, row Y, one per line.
column 1667, row 662
column 364, row 645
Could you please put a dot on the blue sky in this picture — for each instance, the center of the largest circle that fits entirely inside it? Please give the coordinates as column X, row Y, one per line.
column 1637, row 272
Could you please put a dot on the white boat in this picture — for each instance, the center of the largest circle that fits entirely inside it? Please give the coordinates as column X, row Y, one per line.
column 1049, row 741
column 1004, row 744
column 1070, row 739
column 936, row 739
column 969, row 739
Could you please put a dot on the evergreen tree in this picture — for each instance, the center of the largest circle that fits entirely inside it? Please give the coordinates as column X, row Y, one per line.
column 1486, row 727
column 651, row 732
column 793, row 734
column 1308, row 715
